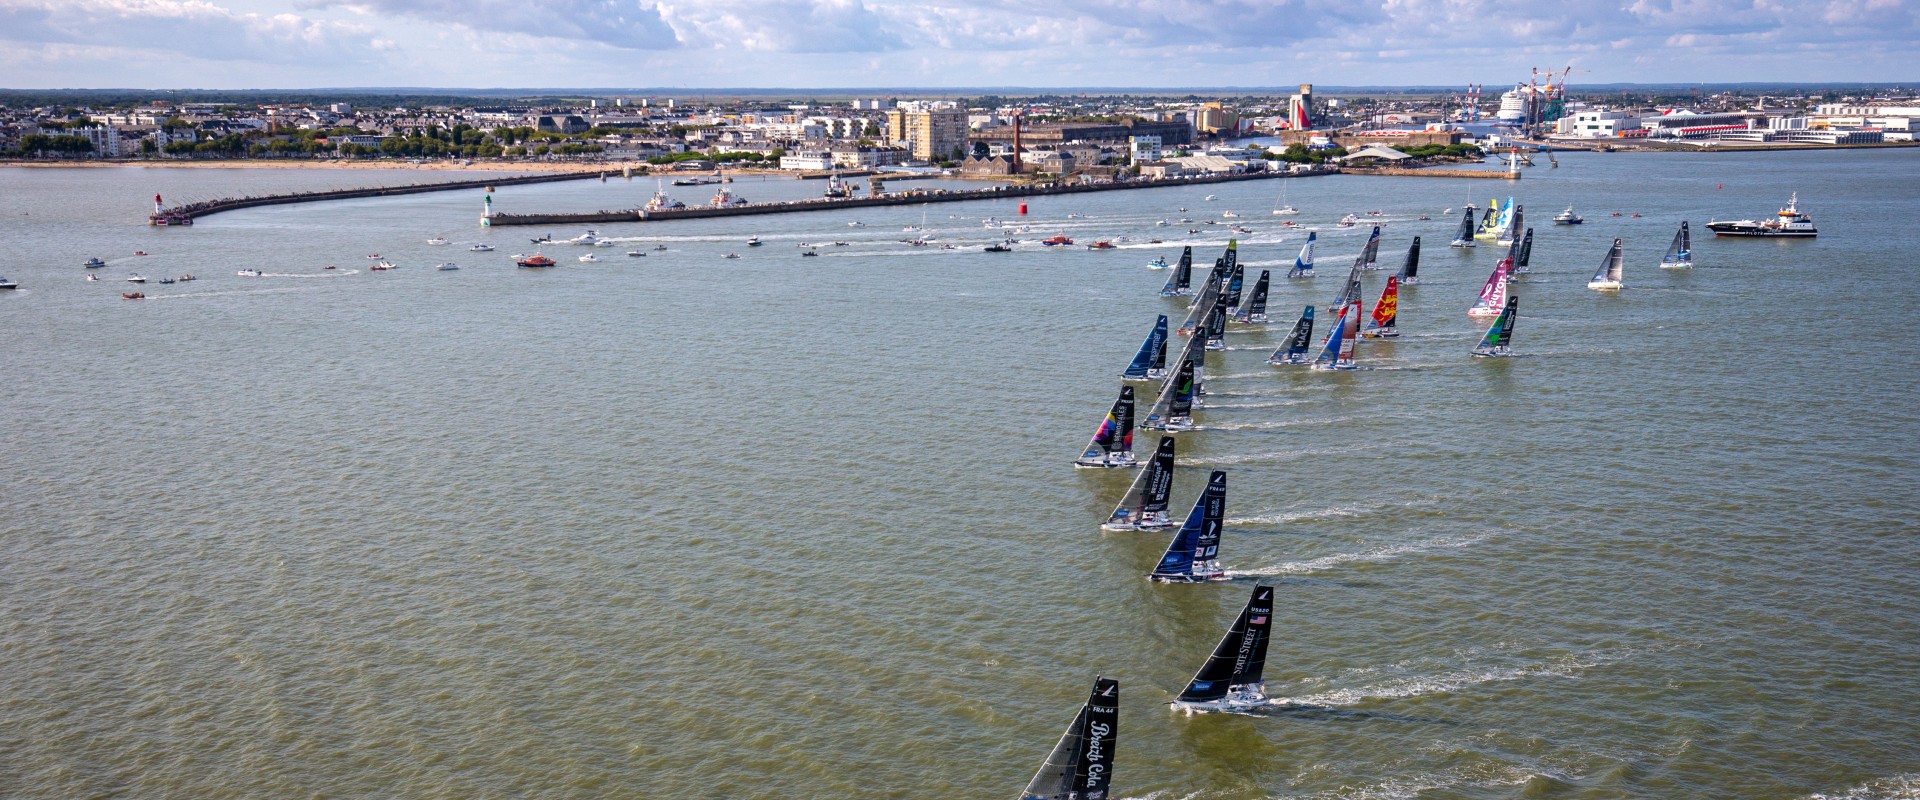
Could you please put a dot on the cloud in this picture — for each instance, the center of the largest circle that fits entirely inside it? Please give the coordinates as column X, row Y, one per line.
column 205, row 30
column 621, row 23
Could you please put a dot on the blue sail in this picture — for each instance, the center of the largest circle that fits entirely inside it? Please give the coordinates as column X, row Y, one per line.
column 1153, row 353
column 1193, row 555
column 1338, row 351
column 1303, row 263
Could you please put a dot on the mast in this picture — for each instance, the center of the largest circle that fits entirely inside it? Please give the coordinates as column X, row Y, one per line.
column 1303, row 263
column 1112, row 443
column 1386, row 312
column 1679, row 250
column 1410, row 271
column 1236, row 282
column 1209, row 296
column 1526, row 254
column 1612, row 267
column 1081, row 764
column 1350, row 291
column 1295, row 349
column 1512, row 223
column 1255, row 310
column 1217, row 326
column 1194, row 553
column 1196, row 355
column 1144, row 507
column 1499, row 338
column 1182, row 277
column 1151, row 361
column 1233, row 672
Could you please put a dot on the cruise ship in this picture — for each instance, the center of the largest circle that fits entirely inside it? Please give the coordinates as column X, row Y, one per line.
column 1513, row 105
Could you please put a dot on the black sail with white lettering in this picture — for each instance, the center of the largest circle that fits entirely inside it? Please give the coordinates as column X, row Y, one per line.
column 1146, row 499
column 1410, row 272
column 1228, row 663
column 1081, row 764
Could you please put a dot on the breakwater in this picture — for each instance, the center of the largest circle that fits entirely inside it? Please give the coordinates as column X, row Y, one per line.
column 914, row 197
column 209, row 207
column 1438, row 173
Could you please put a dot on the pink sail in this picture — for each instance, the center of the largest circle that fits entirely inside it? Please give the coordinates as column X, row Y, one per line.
column 1493, row 296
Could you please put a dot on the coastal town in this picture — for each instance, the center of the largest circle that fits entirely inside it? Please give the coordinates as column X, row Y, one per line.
column 1088, row 136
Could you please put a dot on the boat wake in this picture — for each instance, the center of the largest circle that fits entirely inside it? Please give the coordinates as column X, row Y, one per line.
column 1278, row 456
column 327, row 274
column 229, row 293
column 1336, row 512
column 1895, row 787
column 1448, row 682
column 1278, row 426
column 1270, row 404
column 1374, row 556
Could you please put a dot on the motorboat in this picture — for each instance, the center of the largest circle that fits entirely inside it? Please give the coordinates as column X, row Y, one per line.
column 725, row 198
column 1101, row 245
column 753, row 241
column 94, row 263
column 329, row 266
column 1285, row 211
column 534, row 261
column 1158, row 263
column 547, row 239
column 139, row 252
column 636, row 254
column 603, row 243
column 731, row 255
column 1056, row 240
column 93, row 279
column 135, row 278
column 447, row 266
column 1209, row 197
column 1228, row 214
column 1349, row 221
column 589, row 237
column 1567, row 217
column 248, row 273
column 7, row 284
column 997, row 248
column 385, row 265
column 481, row 248
column 373, row 256
column 856, row 224
column 185, row 278
column 437, row 240
column 1242, row 229
column 132, row 296
column 808, row 254
column 166, row 281
column 1787, row 223
column 589, row 258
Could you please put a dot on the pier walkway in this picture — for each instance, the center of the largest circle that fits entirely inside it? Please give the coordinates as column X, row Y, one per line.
column 908, row 198
column 207, row 207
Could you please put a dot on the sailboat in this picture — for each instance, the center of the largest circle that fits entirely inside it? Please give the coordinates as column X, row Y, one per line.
column 1254, row 311
column 1172, row 411
column 1385, row 312
column 1370, row 255
column 1144, row 507
column 1612, row 269
column 1303, row 263
column 1511, row 224
column 1081, row 764
column 1112, row 442
column 1284, row 210
column 1150, row 364
column 1179, row 283
column 1464, row 236
column 1232, row 677
column 1499, row 338
column 1490, row 221
column 1526, row 254
column 1217, row 326
column 1207, row 299
column 1195, row 354
column 1194, row 554
column 1680, row 252
column 1494, row 292
column 1337, row 352
column 1294, row 352
column 1410, row 271
column 1236, row 284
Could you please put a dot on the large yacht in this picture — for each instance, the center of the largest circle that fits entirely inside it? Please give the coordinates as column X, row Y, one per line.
column 1787, row 222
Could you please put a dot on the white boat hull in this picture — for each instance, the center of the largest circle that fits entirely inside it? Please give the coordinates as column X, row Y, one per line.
column 1603, row 286
column 1106, row 463
column 1676, row 265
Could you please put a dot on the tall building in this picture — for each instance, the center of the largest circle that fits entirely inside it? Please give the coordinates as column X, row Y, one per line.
column 930, row 133
column 1300, row 109
column 1214, row 118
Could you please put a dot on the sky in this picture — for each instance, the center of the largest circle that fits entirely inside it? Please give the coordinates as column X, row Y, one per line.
column 827, row 44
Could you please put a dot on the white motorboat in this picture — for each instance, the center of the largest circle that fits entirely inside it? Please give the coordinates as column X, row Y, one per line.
column 586, row 238
column 136, row 278
column 636, row 254
column 589, row 258
column 437, row 240
column 1567, row 217
column 481, row 248
column 248, row 273
column 447, row 266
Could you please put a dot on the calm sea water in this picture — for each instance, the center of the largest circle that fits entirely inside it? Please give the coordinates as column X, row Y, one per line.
column 680, row 526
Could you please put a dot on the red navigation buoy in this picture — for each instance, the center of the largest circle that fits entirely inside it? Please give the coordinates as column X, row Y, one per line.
column 1023, row 209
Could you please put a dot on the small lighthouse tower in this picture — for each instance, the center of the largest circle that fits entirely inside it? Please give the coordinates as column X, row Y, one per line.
column 486, row 212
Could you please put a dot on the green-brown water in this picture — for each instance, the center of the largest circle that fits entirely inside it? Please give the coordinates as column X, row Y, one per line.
column 680, row 526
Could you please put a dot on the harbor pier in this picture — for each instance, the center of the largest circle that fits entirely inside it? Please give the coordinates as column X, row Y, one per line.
column 204, row 208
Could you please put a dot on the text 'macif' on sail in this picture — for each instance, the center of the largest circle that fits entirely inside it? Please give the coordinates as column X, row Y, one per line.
column 1298, row 344
column 1232, row 678
column 1194, row 554
column 1081, row 764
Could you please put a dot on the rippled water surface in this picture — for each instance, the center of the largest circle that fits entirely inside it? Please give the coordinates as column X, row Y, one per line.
column 681, row 526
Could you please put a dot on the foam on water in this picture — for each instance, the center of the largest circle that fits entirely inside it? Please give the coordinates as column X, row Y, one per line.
column 1375, row 556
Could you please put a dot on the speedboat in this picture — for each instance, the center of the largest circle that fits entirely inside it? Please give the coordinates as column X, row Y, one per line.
column 166, row 281
column 139, row 252
column 385, row 265
column 7, row 284
column 1228, row 214
column 248, row 273
column 808, row 254
column 1056, row 240
column 636, row 254
column 1567, row 217
column 132, row 296
column 481, row 248
column 856, row 224
column 185, row 278
column 1209, row 197
column 1242, row 229
column 373, row 257
column 753, row 241
column 437, row 240
column 731, row 255
column 535, row 260
column 1349, row 221
column 1158, row 263
column 1101, row 245
column 589, row 258
column 1285, row 211
column 998, row 248
column 93, row 278
column 603, row 243
column 659, row 247
column 447, row 266
column 1787, row 223
column 586, row 238
column 94, row 263
column 135, row 278
column 547, row 239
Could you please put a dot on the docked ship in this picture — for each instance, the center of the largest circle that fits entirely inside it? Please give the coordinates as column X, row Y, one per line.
column 662, row 202
column 724, row 199
column 1787, row 222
